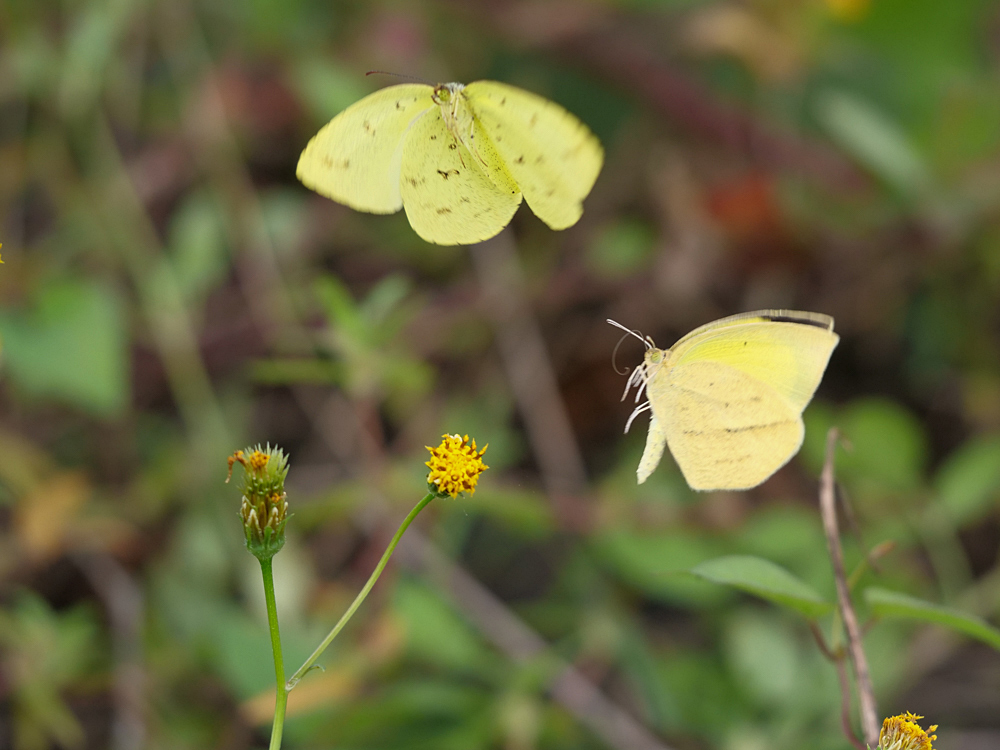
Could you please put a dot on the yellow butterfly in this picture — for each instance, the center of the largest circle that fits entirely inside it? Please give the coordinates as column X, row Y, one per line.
column 457, row 158
column 728, row 397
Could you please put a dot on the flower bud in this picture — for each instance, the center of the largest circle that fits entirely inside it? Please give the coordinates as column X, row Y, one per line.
column 264, row 510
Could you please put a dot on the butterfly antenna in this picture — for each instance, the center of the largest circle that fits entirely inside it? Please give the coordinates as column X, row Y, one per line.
column 398, row 75
column 647, row 342
column 614, row 354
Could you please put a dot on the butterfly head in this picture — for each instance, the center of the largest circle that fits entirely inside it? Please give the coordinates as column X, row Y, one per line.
column 444, row 93
column 655, row 356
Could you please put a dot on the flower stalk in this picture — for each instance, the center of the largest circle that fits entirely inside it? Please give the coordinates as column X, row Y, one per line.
column 264, row 512
column 455, row 466
column 454, row 470
column 311, row 661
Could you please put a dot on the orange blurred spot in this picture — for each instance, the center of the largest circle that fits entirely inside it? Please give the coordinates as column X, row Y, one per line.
column 45, row 519
column 746, row 207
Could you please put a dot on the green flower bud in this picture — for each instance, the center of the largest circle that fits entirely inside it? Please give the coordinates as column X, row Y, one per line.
column 264, row 510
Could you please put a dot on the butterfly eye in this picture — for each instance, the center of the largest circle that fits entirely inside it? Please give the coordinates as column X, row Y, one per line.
column 655, row 356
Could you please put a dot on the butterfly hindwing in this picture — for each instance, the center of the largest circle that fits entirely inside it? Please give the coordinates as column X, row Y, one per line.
column 553, row 157
column 725, row 429
column 656, row 441
column 448, row 197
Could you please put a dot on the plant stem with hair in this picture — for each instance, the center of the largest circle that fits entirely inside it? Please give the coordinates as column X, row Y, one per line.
column 300, row 672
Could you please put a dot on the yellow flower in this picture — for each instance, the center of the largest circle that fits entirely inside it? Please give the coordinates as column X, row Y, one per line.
column 455, row 466
column 848, row 10
column 903, row 733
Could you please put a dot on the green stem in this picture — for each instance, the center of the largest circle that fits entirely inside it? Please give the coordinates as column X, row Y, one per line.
column 294, row 679
column 279, row 662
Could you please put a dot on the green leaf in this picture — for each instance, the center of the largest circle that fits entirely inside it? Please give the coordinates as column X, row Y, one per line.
column 885, row 603
column 874, row 140
column 620, row 248
column 197, row 246
column 969, row 481
column 72, row 347
column 657, row 563
column 763, row 578
column 435, row 632
column 888, row 446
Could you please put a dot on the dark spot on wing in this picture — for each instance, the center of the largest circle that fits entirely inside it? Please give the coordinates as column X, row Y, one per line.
column 519, row 160
column 539, row 159
column 503, row 101
column 448, row 173
column 434, row 137
column 442, row 211
column 754, row 427
column 533, row 121
column 453, row 146
column 801, row 321
column 398, row 105
column 463, row 199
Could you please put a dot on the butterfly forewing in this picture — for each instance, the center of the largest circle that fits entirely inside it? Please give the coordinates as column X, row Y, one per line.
column 355, row 159
column 790, row 357
column 552, row 156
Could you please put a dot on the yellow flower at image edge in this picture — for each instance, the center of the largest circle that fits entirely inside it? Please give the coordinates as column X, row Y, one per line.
column 455, row 466
column 903, row 733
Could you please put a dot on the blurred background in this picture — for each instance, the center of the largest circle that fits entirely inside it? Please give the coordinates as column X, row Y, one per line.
column 170, row 293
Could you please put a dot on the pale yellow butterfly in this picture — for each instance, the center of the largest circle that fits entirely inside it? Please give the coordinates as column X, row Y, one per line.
column 457, row 158
column 728, row 397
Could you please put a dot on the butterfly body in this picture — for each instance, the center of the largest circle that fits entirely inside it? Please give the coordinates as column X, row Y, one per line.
column 728, row 397
column 458, row 158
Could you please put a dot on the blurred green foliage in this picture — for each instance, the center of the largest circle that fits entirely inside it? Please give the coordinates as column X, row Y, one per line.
column 170, row 292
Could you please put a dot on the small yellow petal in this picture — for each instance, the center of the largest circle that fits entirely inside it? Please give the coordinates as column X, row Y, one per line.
column 904, row 733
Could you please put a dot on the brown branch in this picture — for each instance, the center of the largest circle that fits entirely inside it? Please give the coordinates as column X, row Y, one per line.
column 570, row 689
column 125, row 607
column 532, row 378
column 845, row 686
column 821, row 642
column 828, row 509
column 845, row 705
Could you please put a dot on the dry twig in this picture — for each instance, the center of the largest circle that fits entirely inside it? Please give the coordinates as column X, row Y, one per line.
column 828, row 509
